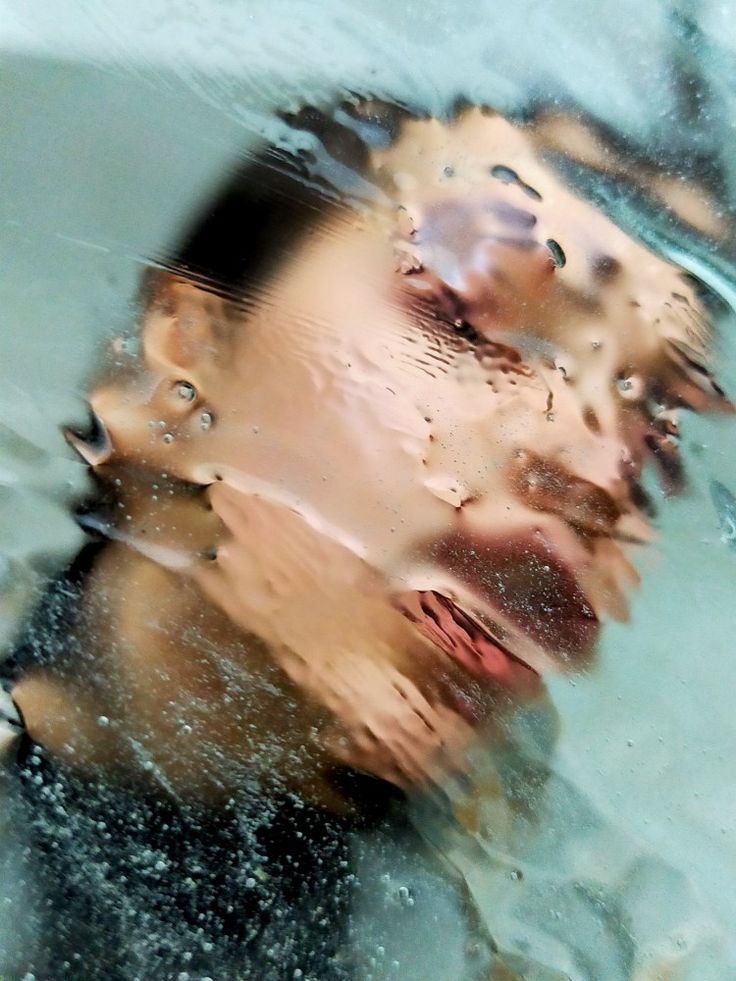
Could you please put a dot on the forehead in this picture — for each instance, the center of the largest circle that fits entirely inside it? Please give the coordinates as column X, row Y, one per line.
column 484, row 214
column 469, row 237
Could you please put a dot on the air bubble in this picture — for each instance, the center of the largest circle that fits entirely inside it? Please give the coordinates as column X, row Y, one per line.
column 168, row 437
column 205, row 421
column 103, row 721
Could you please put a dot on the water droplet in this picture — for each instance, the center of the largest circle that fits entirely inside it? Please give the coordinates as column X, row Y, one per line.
column 405, row 896
column 205, row 421
column 630, row 387
column 504, row 174
column 129, row 346
column 558, row 253
column 186, row 391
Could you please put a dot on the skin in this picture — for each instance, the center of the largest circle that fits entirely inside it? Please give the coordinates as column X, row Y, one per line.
column 442, row 402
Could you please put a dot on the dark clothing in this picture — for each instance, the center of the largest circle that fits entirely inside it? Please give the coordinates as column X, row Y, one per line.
column 137, row 885
column 145, row 888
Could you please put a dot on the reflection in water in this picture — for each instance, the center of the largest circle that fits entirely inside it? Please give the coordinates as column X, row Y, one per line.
column 371, row 468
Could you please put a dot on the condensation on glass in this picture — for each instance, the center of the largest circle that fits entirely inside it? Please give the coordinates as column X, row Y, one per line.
column 372, row 620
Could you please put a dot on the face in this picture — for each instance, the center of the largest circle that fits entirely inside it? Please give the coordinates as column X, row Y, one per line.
column 428, row 427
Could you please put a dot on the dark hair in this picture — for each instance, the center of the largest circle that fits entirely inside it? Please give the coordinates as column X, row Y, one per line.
column 267, row 204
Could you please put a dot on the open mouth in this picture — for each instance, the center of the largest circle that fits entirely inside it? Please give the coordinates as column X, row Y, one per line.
column 465, row 641
column 521, row 610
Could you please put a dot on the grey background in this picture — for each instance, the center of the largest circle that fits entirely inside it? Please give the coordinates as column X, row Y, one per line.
column 116, row 119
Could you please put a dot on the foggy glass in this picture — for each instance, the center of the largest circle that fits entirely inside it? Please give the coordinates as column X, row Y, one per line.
column 584, row 833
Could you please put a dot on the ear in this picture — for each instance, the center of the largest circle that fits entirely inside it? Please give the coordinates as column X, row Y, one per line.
column 178, row 326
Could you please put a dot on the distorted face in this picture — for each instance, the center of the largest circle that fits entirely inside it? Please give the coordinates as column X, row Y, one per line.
column 429, row 424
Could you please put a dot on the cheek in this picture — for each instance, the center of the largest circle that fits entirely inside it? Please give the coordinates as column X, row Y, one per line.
column 125, row 415
column 142, row 423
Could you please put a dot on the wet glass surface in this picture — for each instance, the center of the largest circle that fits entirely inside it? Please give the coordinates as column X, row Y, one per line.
column 366, row 461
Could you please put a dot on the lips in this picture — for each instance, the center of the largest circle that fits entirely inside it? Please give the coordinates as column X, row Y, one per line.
column 465, row 640
column 529, row 611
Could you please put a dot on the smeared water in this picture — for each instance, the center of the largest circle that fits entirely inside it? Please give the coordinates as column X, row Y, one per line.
column 602, row 850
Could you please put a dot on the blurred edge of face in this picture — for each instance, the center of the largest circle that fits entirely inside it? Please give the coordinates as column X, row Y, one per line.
column 286, row 357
